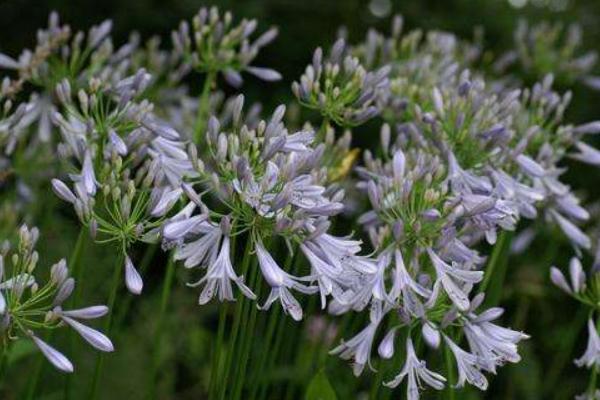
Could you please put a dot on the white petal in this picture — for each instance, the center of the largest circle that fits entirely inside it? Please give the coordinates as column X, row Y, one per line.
column 8, row 62
column 577, row 274
column 557, row 277
column 386, row 347
column 62, row 191
column 266, row 74
column 133, row 280
column 54, row 356
column 97, row 339
column 91, row 312
column 529, row 166
column 431, row 336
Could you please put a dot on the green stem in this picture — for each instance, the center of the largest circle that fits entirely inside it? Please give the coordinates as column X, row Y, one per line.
column 262, row 384
column 4, row 350
column 164, row 300
column 218, row 353
column 568, row 344
column 76, row 265
column 398, row 360
column 449, row 373
column 281, row 334
column 378, row 379
column 216, row 359
column 296, row 353
column 236, row 324
column 592, row 385
column 495, row 271
column 261, row 367
column 77, row 272
column 273, row 319
column 203, row 107
column 116, row 283
column 322, row 133
column 249, row 325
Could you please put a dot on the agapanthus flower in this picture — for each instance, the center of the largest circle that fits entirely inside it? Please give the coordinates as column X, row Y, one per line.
column 86, row 54
column 28, row 307
column 549, row 48
column 585, row 288
column 415, row 372
column 340, row 88
column 426, row 212
column 591, row 356
column 469, row 367
column 216, row 45
column 358, row 348
column 131, row 164
column 419, row 61
column 266, row 185
column 12, row 121
column 545, row 139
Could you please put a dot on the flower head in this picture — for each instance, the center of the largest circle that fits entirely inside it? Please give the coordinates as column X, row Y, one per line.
column 131, row 164
column 340, row 88
column 216, row 45
column 27, row 306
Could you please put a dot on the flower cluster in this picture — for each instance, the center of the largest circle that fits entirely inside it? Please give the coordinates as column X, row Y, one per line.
column 547, row 48
column 418, row 62
column 340, row 88
column 216, row 45
column 28, row 307
column 424, row 217
column 266, row 186
column 59, row 54
column 548, row 141
column 12, row 120
column 465, row 161
column 129, row 164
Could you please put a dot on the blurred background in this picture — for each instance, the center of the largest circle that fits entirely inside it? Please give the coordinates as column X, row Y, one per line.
column 554, row 322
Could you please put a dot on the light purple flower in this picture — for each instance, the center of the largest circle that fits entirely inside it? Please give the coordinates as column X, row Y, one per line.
column 416, row 372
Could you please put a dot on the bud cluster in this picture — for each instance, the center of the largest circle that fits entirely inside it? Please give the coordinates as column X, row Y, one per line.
column 216, row 45
column 340, row 88
column 549, row 48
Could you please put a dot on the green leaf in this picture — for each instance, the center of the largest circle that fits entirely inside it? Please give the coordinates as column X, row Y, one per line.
column 319, row 388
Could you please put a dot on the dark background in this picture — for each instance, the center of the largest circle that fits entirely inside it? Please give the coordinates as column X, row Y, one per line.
column 303, row 24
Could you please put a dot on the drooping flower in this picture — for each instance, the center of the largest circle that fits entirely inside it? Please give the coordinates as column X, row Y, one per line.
column 415, row 371
column 469, row 367
column 281, row 282
column 591, row 356
column 220, row 274
column 358, row 348
column 452, row 278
